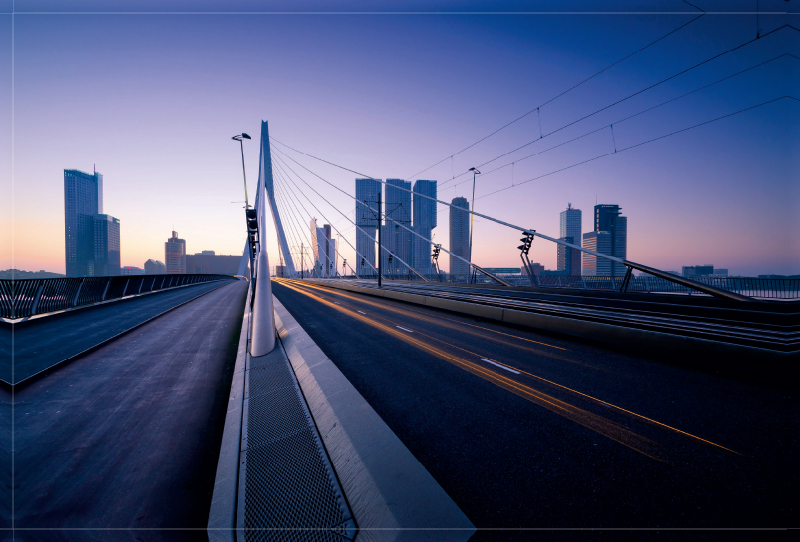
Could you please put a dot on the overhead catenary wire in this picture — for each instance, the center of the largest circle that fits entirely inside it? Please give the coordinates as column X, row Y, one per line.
column 538, row 108
column 620, row 121
column 617, row 151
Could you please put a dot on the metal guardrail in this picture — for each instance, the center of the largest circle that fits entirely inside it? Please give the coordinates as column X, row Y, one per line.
column 28, row 297
column 751, row 287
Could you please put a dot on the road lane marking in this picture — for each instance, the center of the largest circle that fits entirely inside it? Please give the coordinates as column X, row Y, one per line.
column 603, row 426
column 361, row 312
column 501, row 366
column 336, row 302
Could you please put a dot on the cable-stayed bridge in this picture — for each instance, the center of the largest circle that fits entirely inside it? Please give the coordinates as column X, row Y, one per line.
column 367, row 393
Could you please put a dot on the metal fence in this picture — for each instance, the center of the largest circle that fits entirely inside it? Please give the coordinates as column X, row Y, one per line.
column 23, row 298
column 751, row 287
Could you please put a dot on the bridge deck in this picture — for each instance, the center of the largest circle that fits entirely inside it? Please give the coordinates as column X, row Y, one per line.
column 43, row 342
column 127, row 436
column 524, row 429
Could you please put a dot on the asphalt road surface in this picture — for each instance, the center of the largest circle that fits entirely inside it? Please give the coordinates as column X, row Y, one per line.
column 43, row 342
column 122, row 443
column 528, row 430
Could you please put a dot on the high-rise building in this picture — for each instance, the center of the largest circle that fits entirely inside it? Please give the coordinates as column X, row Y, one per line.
column 610, row 236
column 424, row 217
column 130, row 270
column 175, row 254
column 324, row 250
column 367, row 217
column 569, row 259
column 459, row 237
column 394, row 237
column 154, row 267
column 106, row 246
column 83, row 198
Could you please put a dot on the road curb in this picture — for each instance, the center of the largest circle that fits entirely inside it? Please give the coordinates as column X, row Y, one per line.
column 392, row 496
column 222, row 514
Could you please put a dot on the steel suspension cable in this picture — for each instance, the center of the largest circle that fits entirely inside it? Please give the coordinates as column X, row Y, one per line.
column 280, row 153
column 288, row 190
column 342, row 213
column 323, row 216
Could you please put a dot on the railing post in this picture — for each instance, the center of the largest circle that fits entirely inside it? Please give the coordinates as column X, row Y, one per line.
column 124, row 290
column 36, row 299
column 75, row 301
column 105, row 291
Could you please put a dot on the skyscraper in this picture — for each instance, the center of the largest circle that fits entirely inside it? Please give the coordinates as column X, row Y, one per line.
column 175, row 254
column 424, row 217
column 569, row 259
column 83, row 198
column 459, row 237
column 106, row 246
column 610, row 236
column 324, row 250
column 367, row 191
column 396, row 239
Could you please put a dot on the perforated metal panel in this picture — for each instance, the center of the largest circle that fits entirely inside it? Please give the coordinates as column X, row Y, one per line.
column 291, row 492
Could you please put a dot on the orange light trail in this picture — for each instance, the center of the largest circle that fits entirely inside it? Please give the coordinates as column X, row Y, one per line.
column 460, row 361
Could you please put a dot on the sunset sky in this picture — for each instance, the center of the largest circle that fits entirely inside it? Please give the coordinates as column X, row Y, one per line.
column 152, row 99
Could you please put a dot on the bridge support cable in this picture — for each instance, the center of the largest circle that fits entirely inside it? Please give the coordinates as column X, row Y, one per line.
column 710, row 290
column 287, row 190
column 285, row 177
column 345, row 216
column 296, row 237
column 537, row 109
column 279, row 154
column 304, row 238
column 327, row 256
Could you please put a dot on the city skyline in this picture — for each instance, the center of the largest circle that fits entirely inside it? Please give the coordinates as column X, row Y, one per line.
column 175, row 164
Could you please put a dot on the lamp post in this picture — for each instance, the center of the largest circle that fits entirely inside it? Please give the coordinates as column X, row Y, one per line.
column 472, row 216
column 247, row 217
column 239, row 138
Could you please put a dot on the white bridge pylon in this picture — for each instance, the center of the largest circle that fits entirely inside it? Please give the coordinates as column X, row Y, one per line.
column 265, row 179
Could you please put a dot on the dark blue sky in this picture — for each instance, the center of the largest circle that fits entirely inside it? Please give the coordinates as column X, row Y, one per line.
column 153, row 99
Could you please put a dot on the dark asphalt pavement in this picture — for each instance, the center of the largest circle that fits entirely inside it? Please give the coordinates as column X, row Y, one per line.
column 43, row 342
column 528, row 430
column 128, row 436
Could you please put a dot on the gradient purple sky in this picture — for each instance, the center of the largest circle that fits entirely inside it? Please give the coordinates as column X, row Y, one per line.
column 152, row 99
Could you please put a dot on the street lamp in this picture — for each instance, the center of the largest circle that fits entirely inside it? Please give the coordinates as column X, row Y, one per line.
column 239, row 138
column 472, row 216
column 250, row 216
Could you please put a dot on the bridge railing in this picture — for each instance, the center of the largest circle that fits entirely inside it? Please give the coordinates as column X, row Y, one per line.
column 28, row 297
column 764, row 288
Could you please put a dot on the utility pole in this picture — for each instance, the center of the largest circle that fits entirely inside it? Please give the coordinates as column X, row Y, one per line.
column 380, row 247
column 472, row 216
